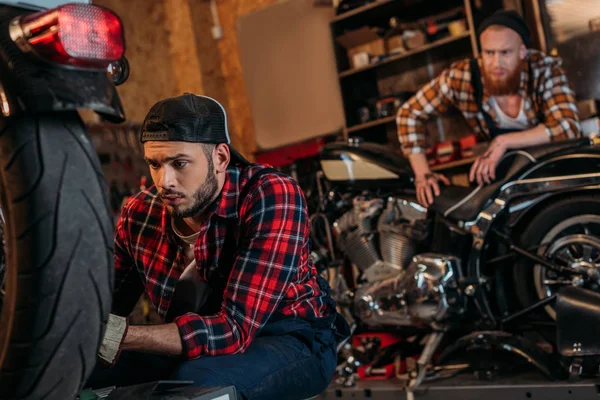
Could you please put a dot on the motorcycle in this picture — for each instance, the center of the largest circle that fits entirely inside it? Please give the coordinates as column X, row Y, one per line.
column 56, row 271
column 507, row 267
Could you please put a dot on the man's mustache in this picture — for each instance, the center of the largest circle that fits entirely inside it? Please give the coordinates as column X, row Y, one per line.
column 170, row 193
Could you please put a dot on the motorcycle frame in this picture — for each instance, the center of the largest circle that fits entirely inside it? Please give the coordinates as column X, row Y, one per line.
column 480, row 227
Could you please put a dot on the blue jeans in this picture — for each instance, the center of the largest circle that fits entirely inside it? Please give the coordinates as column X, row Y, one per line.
column 294, row 365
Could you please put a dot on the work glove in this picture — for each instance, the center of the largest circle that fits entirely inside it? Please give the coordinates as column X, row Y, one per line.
column 116, row 329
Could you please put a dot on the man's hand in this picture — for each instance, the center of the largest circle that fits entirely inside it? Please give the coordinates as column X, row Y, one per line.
column 110, row 348
column 484, row 168
column 428, row 187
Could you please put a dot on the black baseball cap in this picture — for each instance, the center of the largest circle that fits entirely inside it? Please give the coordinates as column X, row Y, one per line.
column 510, row 19
column 189, row 118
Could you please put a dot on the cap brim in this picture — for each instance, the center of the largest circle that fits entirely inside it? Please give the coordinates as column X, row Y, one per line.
column 236, row 157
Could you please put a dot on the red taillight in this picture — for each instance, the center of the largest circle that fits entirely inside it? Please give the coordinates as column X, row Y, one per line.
column 74, row 34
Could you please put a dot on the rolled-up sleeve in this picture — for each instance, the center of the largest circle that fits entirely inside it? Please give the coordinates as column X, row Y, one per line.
column 434, row 98
column 559, row 106
column 275, row 229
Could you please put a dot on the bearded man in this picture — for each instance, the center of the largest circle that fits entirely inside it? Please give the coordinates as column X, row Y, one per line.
column 221, row 247
column 512, row 97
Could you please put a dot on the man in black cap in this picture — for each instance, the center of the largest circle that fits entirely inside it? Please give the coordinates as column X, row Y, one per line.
column 221, row 247
column 511, row 96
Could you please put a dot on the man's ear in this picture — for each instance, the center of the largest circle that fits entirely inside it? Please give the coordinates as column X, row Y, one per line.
column 221, row 157
column 522, row 52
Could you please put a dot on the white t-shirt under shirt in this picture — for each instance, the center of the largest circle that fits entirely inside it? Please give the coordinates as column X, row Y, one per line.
column 189, row 276
column 505, row 122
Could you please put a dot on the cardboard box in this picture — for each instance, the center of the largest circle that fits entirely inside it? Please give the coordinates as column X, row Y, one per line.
column 361, row 40
column 587, row 108
column 394, row 44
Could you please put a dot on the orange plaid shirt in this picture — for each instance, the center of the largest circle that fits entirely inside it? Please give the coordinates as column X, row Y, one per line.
column 452, row 87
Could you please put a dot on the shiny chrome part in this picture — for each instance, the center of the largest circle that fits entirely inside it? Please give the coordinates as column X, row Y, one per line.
column 405, row 209
column 354, row 233
column 424, row 361
column 18, row 36
column 470, row 290
column 4, row 105
column 354, row 141
column 575, row 244
column 396, row 249
column 118, row 71
column 356, row 236
column 421, row 295
column 396, row 227
column 360, row 217
column 381, row 271
column 360, row 250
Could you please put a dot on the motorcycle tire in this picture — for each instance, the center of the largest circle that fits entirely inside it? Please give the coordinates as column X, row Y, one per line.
column 59, row 252
column 542, row 223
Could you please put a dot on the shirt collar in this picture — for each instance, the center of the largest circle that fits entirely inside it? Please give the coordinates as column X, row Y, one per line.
column 226, row 205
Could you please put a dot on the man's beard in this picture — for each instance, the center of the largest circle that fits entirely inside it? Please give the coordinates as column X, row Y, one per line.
column 203, row 197
column 506, row 86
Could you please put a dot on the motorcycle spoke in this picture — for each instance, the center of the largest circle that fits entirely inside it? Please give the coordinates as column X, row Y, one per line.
column 587, row 253
column 586, row 230
column 566, row 259
column 557, row 282
column 569, row 252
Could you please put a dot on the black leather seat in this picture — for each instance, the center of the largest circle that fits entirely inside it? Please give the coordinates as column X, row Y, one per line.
column 464, row 203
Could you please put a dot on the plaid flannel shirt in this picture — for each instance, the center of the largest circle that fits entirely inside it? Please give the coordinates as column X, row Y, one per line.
column 552, row 98
column 272, row 276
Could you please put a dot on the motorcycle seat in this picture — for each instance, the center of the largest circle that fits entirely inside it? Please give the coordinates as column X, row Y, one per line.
column 462, row 203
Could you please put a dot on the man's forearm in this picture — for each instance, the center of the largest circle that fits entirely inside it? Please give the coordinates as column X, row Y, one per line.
column 157, row 339
column 419, row 165
column 530, row 137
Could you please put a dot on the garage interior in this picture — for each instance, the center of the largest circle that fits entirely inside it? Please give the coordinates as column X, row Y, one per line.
column 297, row 75
column 313, row 88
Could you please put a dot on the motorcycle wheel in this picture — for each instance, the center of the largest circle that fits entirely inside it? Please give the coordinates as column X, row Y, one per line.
column 569, row 233
column 58, row 248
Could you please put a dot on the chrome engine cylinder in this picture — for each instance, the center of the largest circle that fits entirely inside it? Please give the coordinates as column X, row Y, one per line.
column 355, row 231
column 361, row 250
column 425, row 294
column 396, row 249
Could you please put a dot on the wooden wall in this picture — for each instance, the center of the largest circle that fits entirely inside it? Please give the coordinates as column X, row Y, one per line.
column 171, row 50
column 148, row 49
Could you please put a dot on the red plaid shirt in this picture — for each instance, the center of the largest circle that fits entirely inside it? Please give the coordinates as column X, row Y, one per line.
column 271, row 276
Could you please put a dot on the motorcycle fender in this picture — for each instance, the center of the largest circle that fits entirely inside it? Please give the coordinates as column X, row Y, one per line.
column 581, row 162
column 31, row 86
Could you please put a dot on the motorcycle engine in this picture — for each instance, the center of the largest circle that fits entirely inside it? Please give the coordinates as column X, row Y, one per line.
column 424, row 295
column 380, row 237
column 401, row 289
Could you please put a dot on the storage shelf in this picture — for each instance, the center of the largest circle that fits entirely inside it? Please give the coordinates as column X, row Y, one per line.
column 371, row 124
column 360, row 10
column 453, row 164
column 409, row 53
